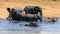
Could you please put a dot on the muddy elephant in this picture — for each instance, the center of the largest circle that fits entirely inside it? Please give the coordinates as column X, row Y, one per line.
column 50, row 20
column 15, row 14
column 33, row 10
column 34, row 18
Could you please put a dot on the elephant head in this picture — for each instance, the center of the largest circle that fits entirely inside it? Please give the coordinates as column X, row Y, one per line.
column 38, row 9
column 14, row 13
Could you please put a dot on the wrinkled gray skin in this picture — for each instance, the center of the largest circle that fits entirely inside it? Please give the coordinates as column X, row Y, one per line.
column 18, row 10
column 33, row 10
column 15, row 14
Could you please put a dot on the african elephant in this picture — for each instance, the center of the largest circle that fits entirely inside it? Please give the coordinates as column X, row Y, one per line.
column 50, row 20
column 33, row 10
column 15, row 14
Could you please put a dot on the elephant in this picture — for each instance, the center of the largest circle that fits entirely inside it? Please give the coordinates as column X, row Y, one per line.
column 33, row 10
column 50, row 20
column 15, row 14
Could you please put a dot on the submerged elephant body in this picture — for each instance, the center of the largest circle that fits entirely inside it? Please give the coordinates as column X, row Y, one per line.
column 50, row 20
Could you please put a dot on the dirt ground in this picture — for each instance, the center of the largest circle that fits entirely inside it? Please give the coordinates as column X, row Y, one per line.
column 49, row 8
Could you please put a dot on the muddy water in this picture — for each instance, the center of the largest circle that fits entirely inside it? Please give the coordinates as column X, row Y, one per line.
column 15, row 25
column 7, row 26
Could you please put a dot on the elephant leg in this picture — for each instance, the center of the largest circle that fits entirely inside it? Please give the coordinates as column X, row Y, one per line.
column 39, row 18
column 41, row 13
column 8, row 17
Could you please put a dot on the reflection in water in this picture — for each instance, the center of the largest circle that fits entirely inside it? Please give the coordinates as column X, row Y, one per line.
column 14, row 25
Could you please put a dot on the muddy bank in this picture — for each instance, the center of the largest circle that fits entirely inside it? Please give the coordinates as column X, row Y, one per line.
column 50, row 9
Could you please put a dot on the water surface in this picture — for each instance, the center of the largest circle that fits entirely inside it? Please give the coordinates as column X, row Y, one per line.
column 14, row 25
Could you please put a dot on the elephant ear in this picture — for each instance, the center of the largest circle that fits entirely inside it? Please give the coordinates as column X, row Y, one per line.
column 12, row 10
column 9, row 10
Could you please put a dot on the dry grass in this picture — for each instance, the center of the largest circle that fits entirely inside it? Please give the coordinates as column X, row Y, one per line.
column 50, row 8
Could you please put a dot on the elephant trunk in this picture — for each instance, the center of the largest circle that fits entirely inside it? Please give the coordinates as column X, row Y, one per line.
column 40, row 11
